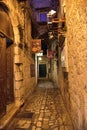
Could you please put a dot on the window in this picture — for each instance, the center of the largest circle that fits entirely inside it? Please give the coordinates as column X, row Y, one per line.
column 43, row 17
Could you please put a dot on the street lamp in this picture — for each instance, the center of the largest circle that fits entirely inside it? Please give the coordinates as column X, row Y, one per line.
column 50, row 15
column 52, row 12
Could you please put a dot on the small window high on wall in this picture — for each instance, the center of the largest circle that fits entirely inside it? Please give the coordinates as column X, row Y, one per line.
column 43, row 17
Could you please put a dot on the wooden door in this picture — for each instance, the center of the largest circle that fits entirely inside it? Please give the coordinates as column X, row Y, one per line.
column 9, row 66
column 2, row 76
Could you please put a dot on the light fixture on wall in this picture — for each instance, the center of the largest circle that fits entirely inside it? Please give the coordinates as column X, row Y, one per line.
column 39, row 53
column 50, row 15
column 52, row 12
column 40, row 58
column 50, row 35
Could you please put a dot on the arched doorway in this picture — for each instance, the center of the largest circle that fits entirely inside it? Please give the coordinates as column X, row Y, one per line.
column 6, row 60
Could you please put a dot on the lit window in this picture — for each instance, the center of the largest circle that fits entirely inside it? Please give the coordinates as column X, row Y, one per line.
column 43, row 17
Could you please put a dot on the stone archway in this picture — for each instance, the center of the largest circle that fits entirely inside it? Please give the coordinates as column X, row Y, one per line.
column 6, row 59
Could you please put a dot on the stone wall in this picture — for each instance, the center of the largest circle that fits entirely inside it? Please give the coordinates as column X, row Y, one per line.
column 23, row 82
column 76, row 21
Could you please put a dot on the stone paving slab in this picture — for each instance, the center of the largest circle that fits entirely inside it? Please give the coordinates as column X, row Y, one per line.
column 49, row 111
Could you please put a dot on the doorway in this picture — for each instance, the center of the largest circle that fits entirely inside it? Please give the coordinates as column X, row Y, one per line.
column 9, row 72
column 6, row 60
column 42, row 70
column 2, row 76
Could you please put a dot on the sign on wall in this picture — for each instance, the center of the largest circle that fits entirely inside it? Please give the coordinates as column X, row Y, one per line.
column 50, row 54
column 36, row 45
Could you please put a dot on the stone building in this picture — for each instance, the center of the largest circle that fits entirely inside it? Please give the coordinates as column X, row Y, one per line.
column 72, row 77
column 16, row 58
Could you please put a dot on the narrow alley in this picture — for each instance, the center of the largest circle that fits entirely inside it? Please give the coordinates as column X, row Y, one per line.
column 44, row 110
column 43, row 64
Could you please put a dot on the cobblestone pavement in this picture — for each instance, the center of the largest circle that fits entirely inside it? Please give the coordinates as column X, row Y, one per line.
column 46, row 110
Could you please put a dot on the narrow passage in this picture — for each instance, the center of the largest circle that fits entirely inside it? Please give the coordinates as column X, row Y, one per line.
column 44, row 110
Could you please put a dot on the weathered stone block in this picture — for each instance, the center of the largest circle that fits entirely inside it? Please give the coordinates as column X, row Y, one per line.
column 18, row 76
column 17, row 59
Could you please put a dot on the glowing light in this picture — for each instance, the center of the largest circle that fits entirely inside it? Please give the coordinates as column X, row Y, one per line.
column 40, row 58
